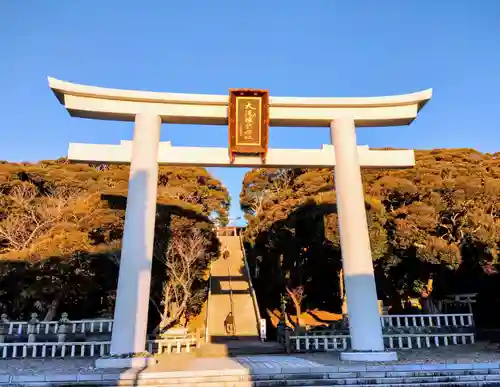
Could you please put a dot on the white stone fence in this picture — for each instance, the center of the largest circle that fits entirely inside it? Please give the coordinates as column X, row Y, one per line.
column 428, row 320
column 400, row 332
column 34, row 326
column 39, row 344
column 90, row 349
column 404, row 341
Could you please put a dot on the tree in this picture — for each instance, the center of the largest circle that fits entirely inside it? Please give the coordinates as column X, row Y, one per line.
column 185, row 261
column 438, row 221
column 297, row 296
column 61, row 227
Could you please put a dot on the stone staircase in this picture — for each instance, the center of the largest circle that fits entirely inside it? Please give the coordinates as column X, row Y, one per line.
column 230, row 293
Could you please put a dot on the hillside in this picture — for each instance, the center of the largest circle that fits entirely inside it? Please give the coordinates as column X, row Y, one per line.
column 436, row 223
column 61, row 226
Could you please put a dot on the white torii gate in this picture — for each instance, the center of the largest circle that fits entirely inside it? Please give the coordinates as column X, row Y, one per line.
column 150, row 109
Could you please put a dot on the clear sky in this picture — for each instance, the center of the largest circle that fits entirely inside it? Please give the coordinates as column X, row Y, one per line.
column 293, row 48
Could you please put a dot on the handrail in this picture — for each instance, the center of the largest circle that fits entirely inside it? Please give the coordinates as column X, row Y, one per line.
column 252, row 290
column 208, row 300
column 231, row 294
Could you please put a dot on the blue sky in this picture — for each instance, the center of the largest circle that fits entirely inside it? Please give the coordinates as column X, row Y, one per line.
column 293, row 48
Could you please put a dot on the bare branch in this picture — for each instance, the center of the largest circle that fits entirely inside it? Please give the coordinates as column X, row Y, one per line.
column 184, row 253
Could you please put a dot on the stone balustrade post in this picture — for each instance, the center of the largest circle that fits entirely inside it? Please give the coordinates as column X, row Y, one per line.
column 4, row 327
column 63, row 327
column 32, row 327
column 288, row 344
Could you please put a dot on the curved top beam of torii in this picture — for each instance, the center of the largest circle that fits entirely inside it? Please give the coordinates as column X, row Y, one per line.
column 123, row 105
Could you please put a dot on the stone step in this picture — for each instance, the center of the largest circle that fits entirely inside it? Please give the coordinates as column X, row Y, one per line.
column 267, row 371
column 234, row 285
column 293, row 383
column 240, row 379
column 240, row 347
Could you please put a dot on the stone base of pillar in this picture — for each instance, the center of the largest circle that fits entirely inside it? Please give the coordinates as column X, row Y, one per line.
column 129, row 363
column 375, row 356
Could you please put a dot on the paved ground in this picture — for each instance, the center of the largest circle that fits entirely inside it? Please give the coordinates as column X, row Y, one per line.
column 478, row 353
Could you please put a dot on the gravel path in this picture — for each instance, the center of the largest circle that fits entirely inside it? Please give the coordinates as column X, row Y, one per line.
column 41, row 366
column 476, row 353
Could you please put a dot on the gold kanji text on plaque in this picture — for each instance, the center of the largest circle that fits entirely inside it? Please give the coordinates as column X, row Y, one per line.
column 248, row 119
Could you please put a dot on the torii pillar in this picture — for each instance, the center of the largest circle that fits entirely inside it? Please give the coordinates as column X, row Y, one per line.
column 134, row 278
column 362, row 301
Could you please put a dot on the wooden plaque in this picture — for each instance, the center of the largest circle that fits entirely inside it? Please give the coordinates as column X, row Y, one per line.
column 248, row 119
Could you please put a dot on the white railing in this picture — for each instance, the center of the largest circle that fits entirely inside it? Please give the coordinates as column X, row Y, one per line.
column 44, row 350
column 330, row 343
column 332, row 340
column 47, row 327
column 319, row 343
column 409, row 341
column 460, row 300
column 89, row 349
column 464, row 320
column 172, row 346
column 428, row 320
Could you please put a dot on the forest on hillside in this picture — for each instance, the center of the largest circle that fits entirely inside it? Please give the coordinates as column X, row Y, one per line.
column 61, row 227
column 437, row 223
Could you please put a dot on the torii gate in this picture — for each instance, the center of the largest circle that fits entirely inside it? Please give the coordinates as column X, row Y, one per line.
column 150, row 109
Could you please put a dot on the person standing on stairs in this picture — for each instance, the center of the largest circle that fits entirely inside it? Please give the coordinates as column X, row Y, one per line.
column 229, row 324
